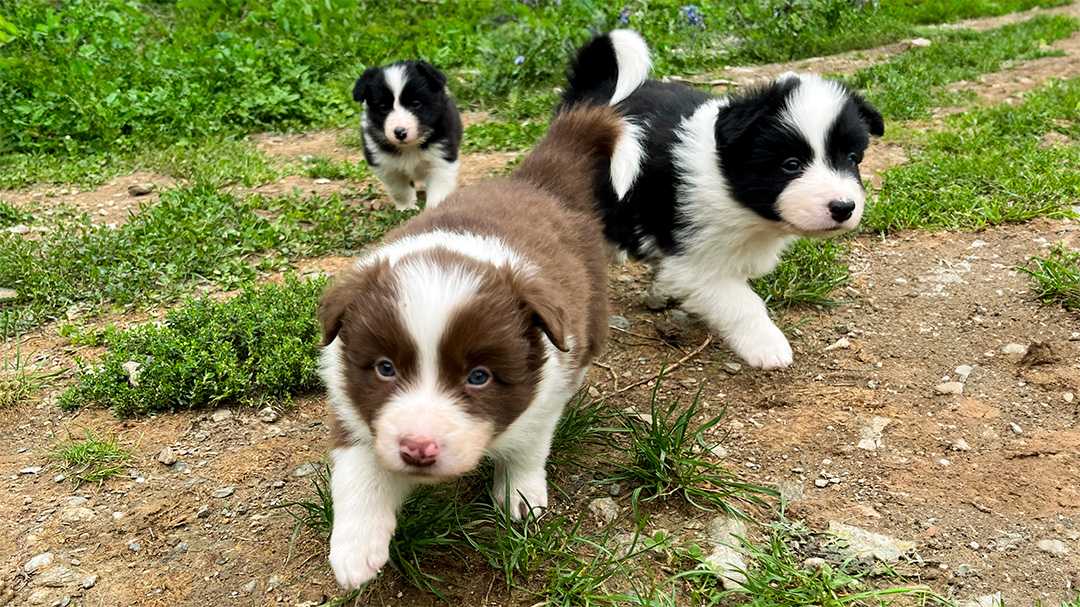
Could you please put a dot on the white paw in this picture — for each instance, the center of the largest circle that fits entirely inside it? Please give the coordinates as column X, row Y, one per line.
column 528, row 494
column 357, row 554
column 762, row 346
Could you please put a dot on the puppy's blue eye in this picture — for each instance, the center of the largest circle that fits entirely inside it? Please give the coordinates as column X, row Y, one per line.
column 385, row 368
column 791, row 165
column 478, row 377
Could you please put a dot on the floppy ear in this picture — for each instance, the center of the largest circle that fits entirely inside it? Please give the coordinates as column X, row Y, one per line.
column 734, row 120
column 870, row 115
column 543, row 305
column 341, row 294
column 363, row 83
column 433, row 75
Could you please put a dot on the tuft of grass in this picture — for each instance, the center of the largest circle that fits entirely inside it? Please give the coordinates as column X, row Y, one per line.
column 669, row 456
column 777, row 577
column 328, row 168
column 584, row 423
column 1057, row 276
column 11, row 215
column 807, row 275
column 502, row 136
column 911, row 83
column 18, row 381
column 93, row 458
column 261, row 344
column 989, row 167
column 192, row 235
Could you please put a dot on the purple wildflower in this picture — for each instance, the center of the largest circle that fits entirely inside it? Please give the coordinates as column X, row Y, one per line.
column 624, row 16
column 519, row 59
column 693, row 15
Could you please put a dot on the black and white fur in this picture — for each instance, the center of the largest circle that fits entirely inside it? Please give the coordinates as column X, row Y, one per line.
column 412, row 130
column 712, row 189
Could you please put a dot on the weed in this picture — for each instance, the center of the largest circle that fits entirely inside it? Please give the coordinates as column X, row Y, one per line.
column 261, row 344
column 808, row 273
column 328, row 168
column 502, row 136
column 1057, row 276
column 18, row 380
column 11, row 215
column 909, row 84
column 669, row 456
column 92, row 459
column 989, row 167
column 584, row 423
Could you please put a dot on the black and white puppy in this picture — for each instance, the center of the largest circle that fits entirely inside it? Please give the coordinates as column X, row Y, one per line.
column 412, row 130
column 712, row 189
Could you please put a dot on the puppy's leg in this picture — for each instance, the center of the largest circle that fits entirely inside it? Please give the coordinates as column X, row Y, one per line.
column 732, row 308
column 400, row 188
column 441, row 182
column 366, row 500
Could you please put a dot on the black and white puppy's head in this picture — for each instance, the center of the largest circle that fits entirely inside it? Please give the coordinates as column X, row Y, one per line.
column 790, row 151
column 405, row 100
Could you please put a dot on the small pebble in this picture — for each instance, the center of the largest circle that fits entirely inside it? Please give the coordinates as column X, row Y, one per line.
column 1015, row 428
column 732, row 367
column 224, row 492
column 140, row 189
column 821, row 483
column 949, row 387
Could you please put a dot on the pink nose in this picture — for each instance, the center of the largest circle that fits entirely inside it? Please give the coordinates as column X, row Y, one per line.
column 418, row 451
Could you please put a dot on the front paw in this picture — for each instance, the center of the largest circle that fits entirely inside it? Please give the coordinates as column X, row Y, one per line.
column 762, row 346
column 527, row 494
column 357, row 555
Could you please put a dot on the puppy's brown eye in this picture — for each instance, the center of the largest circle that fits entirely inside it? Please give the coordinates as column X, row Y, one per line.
column 385, row 369
column 478, row 377
column 853, row 158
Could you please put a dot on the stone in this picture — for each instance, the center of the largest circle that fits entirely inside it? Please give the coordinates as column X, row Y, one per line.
column 221, row 415
column 989, row 600
column 203, row 512
column 963, row 371
column 273, row 583
column 815, row 564
column 166, row 456
column 76, row 514
column 134, row 545
column 40, row 596
column 89, row 582
column 870, row 438
column 1068, row 397
column 224, row 492
column 1040, row 353
column 920, row 42
column 268, row 415
column 1053, row 547
column 1014, row 349
column 56, row 577
column 132, row 369
column 1015, row 428
column 960, row 445
column 38, row 563
column 594, row 392
column 29, row 470
column 604, row 509
column 841, row 344
column 619, row 322
column 140, row 189
column 732, row 367
column 655, row 301
column 19, row 229
column 322, row 181
column 726, row 560
column 249, row 588
column 949, row 387
column 821, row 483
column 8, row 294
column 305, row 470
column 614, row 489
column 862, row 543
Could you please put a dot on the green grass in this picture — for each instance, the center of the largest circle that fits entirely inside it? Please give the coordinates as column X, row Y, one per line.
column 192, row 235
column 776, row 576
column 261, row 344
column 807, row 275
column 329, row 168
column 11, row 215
column 91, row 459
column 669, row 457
column 910, row 84
column 1057, row 277
column 19, row 380
column 502, row 136
column 989, row 166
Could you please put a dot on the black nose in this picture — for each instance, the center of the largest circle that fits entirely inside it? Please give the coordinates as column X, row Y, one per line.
column 841, row 209
column 401, row 134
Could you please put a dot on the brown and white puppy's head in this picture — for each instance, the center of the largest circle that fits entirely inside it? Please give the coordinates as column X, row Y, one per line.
column 431, row 352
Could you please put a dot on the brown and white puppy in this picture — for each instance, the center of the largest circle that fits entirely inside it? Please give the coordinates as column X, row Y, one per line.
column 463, row 336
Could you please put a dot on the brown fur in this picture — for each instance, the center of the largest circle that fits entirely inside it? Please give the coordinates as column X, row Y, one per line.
column 545, row 213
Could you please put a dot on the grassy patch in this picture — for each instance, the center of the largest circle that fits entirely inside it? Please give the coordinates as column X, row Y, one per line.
column 910, row 84
column 260, row 344
column 1057, row 277
column 11, row 215
column 991, row 166
column 192, row 235
column 321, row 167
column 19, row 381
column 669, row 457
column 777, row 575
column 808, row 273
column 92, row 458
column 502, row 136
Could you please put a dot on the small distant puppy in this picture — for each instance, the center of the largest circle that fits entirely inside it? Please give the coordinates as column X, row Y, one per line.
column 412, row 130
column 463, row 335
column 713, row 189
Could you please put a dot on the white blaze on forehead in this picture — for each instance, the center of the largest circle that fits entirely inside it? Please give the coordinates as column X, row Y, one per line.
column 812, row 108
column 395, row 79
column 485, row 249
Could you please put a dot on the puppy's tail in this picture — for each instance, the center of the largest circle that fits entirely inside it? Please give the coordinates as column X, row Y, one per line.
column 573, row 160
column 607, row 69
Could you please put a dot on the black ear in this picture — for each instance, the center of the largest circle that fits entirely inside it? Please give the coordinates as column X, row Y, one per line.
column 734, row 120
column 870, row 115
column 363, row 83
column 433, row 75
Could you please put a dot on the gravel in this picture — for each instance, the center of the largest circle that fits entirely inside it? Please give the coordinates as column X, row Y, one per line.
column 166, row 456
column 604, row 509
